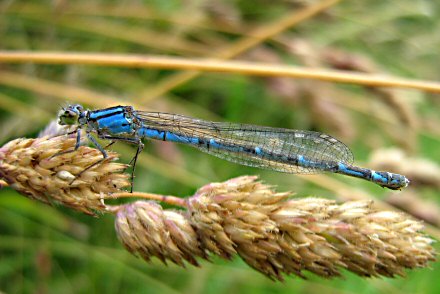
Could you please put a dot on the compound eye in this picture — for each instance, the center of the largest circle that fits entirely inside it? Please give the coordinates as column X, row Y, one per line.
column 68, row 116
column 69, row 113
column 79, row 108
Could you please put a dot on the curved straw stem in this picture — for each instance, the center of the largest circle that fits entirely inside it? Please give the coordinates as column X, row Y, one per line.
column 172, row 200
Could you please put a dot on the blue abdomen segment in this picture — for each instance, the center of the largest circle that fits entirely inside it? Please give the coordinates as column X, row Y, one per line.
column 145, row 132
column 156, row 134
column 384, row 179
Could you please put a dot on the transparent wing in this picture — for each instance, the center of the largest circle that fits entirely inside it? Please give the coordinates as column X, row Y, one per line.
column 322, row 149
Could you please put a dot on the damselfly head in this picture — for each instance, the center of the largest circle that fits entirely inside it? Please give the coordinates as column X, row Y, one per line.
column 69, row 115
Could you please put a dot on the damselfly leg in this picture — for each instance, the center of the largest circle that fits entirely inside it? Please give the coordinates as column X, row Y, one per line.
column 95, row 144
column 77, row 144
column 140, row 147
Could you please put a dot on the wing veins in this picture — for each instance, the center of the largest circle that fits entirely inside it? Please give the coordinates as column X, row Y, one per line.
column 233, row 133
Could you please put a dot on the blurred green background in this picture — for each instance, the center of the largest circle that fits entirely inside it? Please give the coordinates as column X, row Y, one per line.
column 46, row 249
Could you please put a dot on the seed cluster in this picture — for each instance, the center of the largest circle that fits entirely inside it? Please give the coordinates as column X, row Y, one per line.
column 274, row 234
column 38, row 169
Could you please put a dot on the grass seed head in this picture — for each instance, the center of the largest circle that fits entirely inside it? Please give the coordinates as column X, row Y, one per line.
column 33, row 168
column 276, row 235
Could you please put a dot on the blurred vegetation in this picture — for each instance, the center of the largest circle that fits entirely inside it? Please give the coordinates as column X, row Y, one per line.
column 46, row 249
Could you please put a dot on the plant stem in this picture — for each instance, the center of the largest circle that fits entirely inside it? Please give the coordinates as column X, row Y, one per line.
column 172, row 200
column 214, row 65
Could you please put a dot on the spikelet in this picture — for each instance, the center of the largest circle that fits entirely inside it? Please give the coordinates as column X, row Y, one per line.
column 33, row 168
column 275, row 235
column 146, row 230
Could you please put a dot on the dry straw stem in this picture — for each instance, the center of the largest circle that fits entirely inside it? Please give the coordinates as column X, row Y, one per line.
column 151, row 61
column 33, row 168
column 276, row 235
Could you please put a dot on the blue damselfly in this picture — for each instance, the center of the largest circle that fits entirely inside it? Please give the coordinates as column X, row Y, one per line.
column 283, row 150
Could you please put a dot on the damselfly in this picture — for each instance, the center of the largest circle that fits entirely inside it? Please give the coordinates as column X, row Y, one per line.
column 283, row 150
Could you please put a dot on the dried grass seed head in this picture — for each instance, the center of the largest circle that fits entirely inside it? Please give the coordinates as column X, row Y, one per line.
column 33, row 168
column 276, row 235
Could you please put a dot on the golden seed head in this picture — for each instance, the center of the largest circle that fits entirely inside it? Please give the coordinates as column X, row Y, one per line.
column 277, row 236
column 34, row 168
